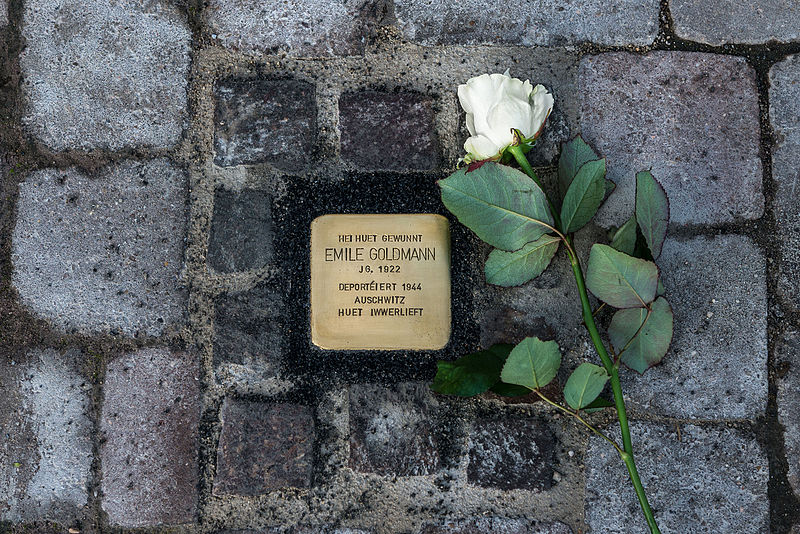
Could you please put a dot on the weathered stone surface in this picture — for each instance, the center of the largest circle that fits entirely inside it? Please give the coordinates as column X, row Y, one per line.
column 784, row 97
column 264, row 447
column 703, row 480
column 241, row 231
column 718, row 22
column 3, row 13
column 692, row 118
column 717, row 364
column 511, row 454
column 103, row 254
column 388, row 130
column 494, row 525
column 46, row 445
column 299, row 27
column 787, row 362
column 264, row 121
column 392, row 430
column 249, row 334
column 330, row 530
column 549, row 22
column 105, row 75
column 150, row 424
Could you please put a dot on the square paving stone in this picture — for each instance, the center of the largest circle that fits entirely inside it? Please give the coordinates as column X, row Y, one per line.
column 517, row 22
column 784, row 96
column 787, row 361
column 99, row 74
column 392, row 430
column 241, row 231
column 494, row 525
column 264, row 121
column 299, row 27
column 717, row 364
column 718, row 22
column 45, row 437
column 264, row 447
column 704, row 480
column 249, row 333
column 388, row 130
column 511, row 454
column 692, row 118
column 103, row 253
column 150, row 427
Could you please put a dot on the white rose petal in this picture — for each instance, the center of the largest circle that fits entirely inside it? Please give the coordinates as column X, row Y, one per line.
column 496, row 103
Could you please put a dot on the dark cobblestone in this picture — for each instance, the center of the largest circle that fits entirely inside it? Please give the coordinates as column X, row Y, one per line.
column 511, row 454
column 241, row 231
column 391, row 431
column 718, row 22
column 264, row 447
column 388, row 130
column 264, row 121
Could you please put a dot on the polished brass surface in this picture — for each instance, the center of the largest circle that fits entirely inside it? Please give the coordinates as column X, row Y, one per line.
column 380, row 282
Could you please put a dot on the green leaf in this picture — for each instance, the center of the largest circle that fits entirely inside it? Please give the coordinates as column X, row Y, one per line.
column 584, row 385
column 515, row 268
column 533, row 363
column 652, row 211
column 584, row 196
column 660, row 290
column 624, row 238
column 642, row 336
column 610, row 186
column 472, row 374
column 574, row 154
column 598, row 404
column 503, row 206
column 509, row 390
column 620, row 280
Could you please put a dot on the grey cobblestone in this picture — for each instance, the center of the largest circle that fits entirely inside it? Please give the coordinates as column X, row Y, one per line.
column 787, row 356
column 494, row 525
column 785, row 117
column 103, row 254
column 717, row 364
column 703, row 480
column 105, row 75
column 718, row 22
column 299, row 27
column 46, row 445
column 150, row 424
column 691, row 117
column 518, row 22
column 3, row 13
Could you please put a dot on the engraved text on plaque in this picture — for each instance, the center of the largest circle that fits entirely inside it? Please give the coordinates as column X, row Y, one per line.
column 380, row 282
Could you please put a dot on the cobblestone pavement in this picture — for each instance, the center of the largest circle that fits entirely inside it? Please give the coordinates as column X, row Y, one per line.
column 161, row 161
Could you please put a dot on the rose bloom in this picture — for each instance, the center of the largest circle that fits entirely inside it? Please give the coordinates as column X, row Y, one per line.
column 496, row 103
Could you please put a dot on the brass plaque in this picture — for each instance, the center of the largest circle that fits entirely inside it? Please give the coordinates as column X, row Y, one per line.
column 380, row 282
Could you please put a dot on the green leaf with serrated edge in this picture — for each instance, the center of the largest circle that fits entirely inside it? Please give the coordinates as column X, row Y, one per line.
column 472, row 374
column 624, row 238
column 642, row 336
column 584, row 385
column 574, row 154
column 509, row 390
column 620, row 280
column 598, row 404
column 503, row 206
column 533, row 363
column 652, row 211
column 584, row 196
column 515, row 268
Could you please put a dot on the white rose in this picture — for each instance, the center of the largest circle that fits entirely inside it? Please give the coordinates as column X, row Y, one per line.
column 496, row 103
